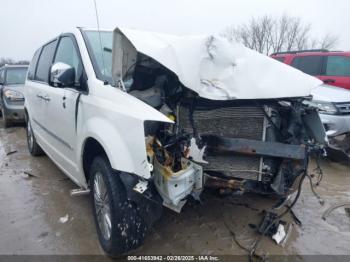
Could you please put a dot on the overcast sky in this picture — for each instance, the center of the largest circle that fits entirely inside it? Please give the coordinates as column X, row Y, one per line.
column 26, row 24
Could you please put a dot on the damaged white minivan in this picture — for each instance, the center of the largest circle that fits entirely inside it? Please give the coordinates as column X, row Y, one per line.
column 145, row 120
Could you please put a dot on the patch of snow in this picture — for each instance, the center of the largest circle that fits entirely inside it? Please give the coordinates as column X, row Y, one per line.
column 64, row 219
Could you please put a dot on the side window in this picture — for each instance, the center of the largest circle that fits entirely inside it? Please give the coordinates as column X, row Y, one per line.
column 338, row 66
column 308, row 64
column 45, row 62
column 279, row 58
column 32, row 66
column 68, row 54
column 2, row 75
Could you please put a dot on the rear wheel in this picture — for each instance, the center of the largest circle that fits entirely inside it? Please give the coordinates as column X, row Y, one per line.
column 33, row 146
column 120, row 227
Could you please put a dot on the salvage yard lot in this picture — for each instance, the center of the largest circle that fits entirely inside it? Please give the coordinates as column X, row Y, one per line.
column 34, row 195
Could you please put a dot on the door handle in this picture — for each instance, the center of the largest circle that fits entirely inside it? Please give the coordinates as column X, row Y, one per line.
column 46, row 98
column 64, row 101
column 329, row 81
column 43, row 97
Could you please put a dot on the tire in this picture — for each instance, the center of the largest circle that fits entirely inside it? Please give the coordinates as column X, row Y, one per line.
column 120, row 227
column 33, row 147
column 5, row 120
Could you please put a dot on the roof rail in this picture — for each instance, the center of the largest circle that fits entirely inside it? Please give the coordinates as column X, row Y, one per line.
column 301, row 51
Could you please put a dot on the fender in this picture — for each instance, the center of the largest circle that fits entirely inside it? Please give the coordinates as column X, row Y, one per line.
column 127, row 155
column 116, row 120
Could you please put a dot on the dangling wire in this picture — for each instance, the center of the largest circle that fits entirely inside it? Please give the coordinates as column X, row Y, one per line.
column 318, row 169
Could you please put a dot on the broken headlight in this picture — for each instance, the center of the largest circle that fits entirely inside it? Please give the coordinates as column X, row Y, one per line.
column 324, row 107
column 13, row 95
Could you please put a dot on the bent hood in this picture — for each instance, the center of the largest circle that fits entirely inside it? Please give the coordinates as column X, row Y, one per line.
column 212, row 66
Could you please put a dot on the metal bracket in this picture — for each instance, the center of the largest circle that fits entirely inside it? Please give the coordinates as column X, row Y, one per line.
column 254, row 147
column 141, row 186
column 79, row 192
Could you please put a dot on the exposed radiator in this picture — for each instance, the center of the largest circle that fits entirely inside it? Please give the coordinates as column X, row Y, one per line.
column 234, row 122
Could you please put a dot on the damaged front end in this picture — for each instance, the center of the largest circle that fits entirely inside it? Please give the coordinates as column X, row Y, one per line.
column 234, row 131
column 233, row 146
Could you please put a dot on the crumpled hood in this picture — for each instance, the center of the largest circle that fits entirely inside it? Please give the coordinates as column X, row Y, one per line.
column 330, row 93
column 212, row 66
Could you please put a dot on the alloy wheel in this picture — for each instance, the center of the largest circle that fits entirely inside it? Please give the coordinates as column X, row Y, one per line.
column 30, row 136
column 102, row 206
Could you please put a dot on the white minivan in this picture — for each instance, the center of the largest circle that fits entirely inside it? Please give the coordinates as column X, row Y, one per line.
column 145, row 120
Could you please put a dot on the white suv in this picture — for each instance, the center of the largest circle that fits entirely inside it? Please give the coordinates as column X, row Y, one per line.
column 146, row 120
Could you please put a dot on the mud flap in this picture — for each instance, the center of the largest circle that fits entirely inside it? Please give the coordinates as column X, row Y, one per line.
column 149, row 203
column 314, row 127
column 337, row 155
column 338, row 149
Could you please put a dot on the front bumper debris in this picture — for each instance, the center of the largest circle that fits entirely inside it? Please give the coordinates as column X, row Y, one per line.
column 255, row 147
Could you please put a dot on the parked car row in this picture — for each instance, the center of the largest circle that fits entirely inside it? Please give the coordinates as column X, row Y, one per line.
column 12, row 78
column 333, row 68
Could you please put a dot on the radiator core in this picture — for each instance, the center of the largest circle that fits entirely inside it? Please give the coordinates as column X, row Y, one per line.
column 233, row 122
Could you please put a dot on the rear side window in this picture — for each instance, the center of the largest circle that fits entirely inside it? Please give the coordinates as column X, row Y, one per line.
column 16, row 75
column 338, row 66
column 308, row 64
column 45, row 61
column 2, row 75
column 32, row 66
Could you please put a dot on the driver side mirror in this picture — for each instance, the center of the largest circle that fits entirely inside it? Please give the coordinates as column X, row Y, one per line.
column 62, row 75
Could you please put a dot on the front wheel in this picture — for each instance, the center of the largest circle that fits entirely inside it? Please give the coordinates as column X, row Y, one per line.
column 33, row 146
column 120, row 227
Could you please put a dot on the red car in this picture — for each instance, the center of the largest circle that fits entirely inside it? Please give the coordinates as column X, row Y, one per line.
column 333, row 68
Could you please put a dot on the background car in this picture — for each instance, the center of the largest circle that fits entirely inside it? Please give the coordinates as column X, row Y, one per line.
column 332, row 67
column 333, row 102
column 334, row 109
column 12, row 78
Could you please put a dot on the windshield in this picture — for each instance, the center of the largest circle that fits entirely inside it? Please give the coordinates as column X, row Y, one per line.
column 16, row 76
column 101, row 55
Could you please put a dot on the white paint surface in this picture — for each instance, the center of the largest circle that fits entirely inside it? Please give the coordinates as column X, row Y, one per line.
column 216, row 68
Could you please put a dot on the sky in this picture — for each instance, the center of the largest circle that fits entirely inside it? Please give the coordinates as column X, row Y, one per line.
column 27, row 24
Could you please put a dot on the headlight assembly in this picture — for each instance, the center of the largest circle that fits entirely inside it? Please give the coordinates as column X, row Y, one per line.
column 13, row 95
column 324, row 107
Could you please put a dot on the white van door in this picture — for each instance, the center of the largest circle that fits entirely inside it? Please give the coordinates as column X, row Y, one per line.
column 62, row 111
column 35, row 91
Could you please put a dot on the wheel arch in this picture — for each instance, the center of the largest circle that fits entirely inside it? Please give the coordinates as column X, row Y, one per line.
column 91, row 149
column 26, row 115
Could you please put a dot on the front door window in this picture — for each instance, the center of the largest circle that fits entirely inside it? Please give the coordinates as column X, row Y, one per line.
column 67, row 53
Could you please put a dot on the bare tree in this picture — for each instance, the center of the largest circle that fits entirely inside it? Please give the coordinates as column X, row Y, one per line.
column 328, row 41
column 9, row 61
column 4, row 61
column 267, row 35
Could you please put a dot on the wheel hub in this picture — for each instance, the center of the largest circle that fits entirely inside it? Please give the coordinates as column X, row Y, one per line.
column 30, row 135
column 102, row 207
